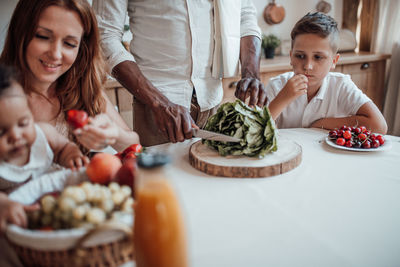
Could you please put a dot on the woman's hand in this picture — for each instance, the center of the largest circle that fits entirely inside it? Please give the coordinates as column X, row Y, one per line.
column 98, row 133
column 14, row 212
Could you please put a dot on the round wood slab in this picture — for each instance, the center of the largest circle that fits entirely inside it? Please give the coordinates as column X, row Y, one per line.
column 206, row 159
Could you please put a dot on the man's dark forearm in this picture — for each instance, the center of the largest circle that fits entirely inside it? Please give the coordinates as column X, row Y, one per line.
column 129, row 75
column 250, row 52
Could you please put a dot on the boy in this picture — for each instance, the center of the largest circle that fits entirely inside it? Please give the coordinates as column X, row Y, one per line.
column 311, row 96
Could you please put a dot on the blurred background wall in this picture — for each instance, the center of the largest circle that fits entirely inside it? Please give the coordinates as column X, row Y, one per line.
column 294, row 10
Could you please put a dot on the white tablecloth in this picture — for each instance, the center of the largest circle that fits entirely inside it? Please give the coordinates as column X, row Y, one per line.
column 337, row 208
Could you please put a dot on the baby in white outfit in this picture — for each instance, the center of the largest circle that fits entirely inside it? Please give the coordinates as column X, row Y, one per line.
column 32, row 156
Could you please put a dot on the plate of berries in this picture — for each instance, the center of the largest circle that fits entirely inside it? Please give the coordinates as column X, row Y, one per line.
column 357, row 139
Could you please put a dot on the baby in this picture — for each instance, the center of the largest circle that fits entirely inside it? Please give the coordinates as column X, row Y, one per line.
column 28, row 152
column 311, row 95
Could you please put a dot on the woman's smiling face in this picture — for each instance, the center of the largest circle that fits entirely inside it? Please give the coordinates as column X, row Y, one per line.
column 312, row 56
column 55, row 45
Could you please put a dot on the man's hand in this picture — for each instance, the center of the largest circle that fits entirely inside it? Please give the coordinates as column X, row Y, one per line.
column 250, row 85
column 174, row 121
column 253, row 88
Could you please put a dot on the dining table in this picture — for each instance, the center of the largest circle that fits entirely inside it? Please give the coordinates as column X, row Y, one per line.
column 336, row 208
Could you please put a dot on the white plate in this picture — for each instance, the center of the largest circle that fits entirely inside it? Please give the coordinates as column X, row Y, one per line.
column 386, row 146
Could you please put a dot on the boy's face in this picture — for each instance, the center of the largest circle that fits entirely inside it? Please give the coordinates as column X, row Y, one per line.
column 17, row 131
column 312, row 56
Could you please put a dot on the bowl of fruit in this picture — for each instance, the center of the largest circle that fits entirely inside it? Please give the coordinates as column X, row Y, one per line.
column 79, row 219
column 357, row 139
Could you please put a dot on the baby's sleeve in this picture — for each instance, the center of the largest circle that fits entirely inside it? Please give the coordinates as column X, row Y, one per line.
column 53, row 181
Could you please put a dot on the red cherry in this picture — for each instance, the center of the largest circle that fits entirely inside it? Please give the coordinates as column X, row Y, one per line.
column 357, row 130
column 362, row 136
column 348, row 143
column 347, row 134
column 343, row 128
column 372, row 137
column 366, row 144
column 340, row 141
column 381, row 139
column 375, row 144
column 363, row 128
column 333, row 134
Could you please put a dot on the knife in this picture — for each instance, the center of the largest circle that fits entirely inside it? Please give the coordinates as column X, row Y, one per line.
column 214, row 136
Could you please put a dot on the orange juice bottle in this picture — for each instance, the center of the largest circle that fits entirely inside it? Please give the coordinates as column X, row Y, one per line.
column 158, row 233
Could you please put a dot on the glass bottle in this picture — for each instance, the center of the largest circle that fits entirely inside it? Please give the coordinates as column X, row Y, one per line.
column 158, row 233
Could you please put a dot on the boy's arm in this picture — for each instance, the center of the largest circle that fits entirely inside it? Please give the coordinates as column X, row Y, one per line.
column 367, row 115
column 66, row 153
column 295, row 87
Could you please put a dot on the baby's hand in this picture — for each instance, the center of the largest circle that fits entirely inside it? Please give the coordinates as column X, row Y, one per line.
column 99, row 133
column 72, row 157
column 295, row 86
column 15, row 213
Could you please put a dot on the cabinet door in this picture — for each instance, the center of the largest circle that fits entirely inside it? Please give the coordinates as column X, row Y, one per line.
column 369, row 77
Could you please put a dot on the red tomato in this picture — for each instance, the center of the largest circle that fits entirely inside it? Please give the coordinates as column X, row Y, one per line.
column 340, row 141
column 347, row 134
column 77, row 118
column 135, row 148
column 130, row 155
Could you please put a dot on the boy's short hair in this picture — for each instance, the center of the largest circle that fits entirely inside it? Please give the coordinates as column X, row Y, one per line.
column 320, row 24
column 8, row 75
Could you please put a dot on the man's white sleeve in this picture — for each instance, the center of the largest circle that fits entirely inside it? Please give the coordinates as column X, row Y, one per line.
column 248, row 21
column 111, row 15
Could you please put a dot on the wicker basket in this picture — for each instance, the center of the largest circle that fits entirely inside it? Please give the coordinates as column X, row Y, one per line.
column 110, row 244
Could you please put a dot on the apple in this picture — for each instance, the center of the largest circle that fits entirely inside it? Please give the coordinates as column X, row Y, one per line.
column 77, row 118
column 126, row 174
column 103, row 167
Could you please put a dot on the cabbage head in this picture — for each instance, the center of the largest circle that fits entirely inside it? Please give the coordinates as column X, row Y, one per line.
column 254, row 126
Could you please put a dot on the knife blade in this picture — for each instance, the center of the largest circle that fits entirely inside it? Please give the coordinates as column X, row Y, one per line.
column 214, row 136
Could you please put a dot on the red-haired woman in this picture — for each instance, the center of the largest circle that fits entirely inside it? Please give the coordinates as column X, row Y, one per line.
column 55, row 46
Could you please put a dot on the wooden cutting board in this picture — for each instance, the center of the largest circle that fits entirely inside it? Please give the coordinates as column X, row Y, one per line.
column 206, row 159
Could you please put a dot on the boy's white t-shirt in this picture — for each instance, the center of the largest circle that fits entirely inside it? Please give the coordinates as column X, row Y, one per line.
column 337, row 97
